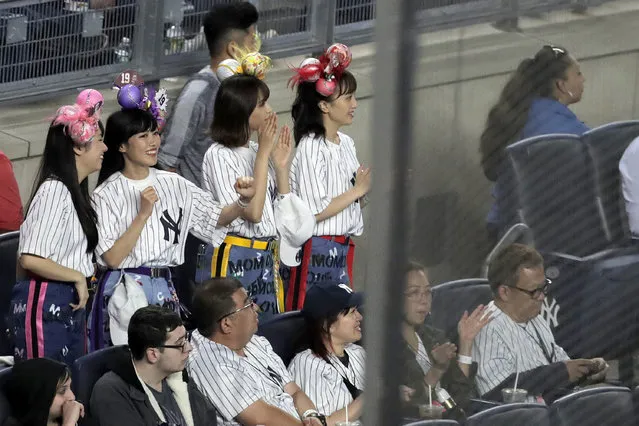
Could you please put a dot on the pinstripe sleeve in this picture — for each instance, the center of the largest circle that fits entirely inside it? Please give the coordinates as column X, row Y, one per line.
column 495, row 359
column 310, row 176
column 306, row 375
column 221, row 174
column 107, row 219
column 206, row 214
column 43, row 230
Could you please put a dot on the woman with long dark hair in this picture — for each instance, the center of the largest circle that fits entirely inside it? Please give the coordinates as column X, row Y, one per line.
column 58, row 237
column 325, row 172
column 39, row 394
column 145, row 215
column 241, row 108
column 331, row 370
column 533, row 102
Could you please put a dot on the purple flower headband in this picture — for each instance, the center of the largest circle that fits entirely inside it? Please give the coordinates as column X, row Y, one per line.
column 80, row 120
column 133, row 94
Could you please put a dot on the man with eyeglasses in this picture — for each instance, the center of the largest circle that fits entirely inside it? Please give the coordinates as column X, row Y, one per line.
column 147, row 383
column 518, row 339
column 238, row 371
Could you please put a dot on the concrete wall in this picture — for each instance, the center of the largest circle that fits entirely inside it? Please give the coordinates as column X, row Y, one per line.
column 459, row 75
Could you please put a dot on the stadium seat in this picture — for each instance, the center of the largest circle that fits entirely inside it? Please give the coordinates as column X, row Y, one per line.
column 87, row 370
column 8, row 261
column 451, row 299
column 433, row 423
column 523, row 414
column 604, row 406
column 553, row 186
column 606, row 145
column 286, row 332
column 5, row 409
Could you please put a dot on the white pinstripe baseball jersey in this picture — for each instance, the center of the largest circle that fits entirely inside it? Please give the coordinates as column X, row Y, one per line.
column 323, row 382
column 504, row 346
column 53, row 231
column 182, row 208
column 221, row 168
column 422, row 356
column 232, row 382
column 322, row 170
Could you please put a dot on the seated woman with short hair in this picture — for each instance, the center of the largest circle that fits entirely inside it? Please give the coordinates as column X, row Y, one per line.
column 331, row 371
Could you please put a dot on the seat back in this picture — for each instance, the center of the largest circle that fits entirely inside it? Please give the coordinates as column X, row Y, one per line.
column 434, row 423
column 286, row 332
column 5, row 408
column 605, row 406
column 8, row 261
column 606, row 145
column 87, row 370
column 522, row 414
column 553, row 181
column 451, row 299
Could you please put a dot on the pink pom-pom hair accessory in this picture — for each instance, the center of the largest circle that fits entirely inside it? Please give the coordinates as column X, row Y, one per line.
column 80, row 120
column 324, row 71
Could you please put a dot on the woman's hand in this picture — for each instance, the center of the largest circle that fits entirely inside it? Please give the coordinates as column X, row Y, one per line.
column 442, row 354
column 281, row 154
column 266, row 134
column 245, row 186
column 470, row 325
column 83, row 293
column 72, row 412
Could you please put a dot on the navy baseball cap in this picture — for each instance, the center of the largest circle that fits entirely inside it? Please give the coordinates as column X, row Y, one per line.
column 324, row 300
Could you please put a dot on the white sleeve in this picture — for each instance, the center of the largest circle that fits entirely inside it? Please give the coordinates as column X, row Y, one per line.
column 310, row 177
column 219, row 177
column 311, row 375
column 42, row 231
column 494, row 359
column 107, row 222
column 206, row 215
column 226, row 386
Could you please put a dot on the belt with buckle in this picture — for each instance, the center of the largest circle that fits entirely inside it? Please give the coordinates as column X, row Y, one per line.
column 255, row 243
column 149, row 272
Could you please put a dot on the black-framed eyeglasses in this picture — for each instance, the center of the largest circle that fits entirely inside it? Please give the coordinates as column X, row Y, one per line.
column 534, row 294
column 251, row 303
column 182, row 346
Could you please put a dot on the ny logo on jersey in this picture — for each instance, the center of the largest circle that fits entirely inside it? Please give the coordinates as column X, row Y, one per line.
column 550, row 311
column 171, row 225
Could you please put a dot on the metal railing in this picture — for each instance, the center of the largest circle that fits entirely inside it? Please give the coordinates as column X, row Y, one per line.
column 47, row 46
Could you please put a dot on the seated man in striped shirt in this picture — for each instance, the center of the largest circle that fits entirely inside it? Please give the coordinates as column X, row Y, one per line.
column 238, row 371
column 519, row 339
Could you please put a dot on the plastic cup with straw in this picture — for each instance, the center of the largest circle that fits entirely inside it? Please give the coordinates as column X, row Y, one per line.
column 510, row 395
column 430, row 411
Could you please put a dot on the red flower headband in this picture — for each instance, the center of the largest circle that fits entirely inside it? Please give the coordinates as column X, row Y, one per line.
column 325, row 71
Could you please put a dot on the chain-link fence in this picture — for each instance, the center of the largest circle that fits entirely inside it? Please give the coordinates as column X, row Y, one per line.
column 52, row 45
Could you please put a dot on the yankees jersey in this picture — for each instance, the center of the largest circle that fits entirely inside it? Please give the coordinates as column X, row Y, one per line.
column 182, row 207
column 322, row 170
column 323, row 381
column 504, row 346
column 52, row 229
column 422, row 356
column 233, row 383
column 221, row 168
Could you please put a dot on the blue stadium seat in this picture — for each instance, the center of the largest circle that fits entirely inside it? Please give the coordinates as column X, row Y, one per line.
column 5, row 409
column 523, row 414
column 87, row 370
column 606, row 145
column 451, row 299
column 604, row 406
column 8, row 261
column 286, row 332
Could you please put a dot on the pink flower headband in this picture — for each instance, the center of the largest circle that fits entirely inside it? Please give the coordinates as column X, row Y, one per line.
column 325, row 71
column 80, row 120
